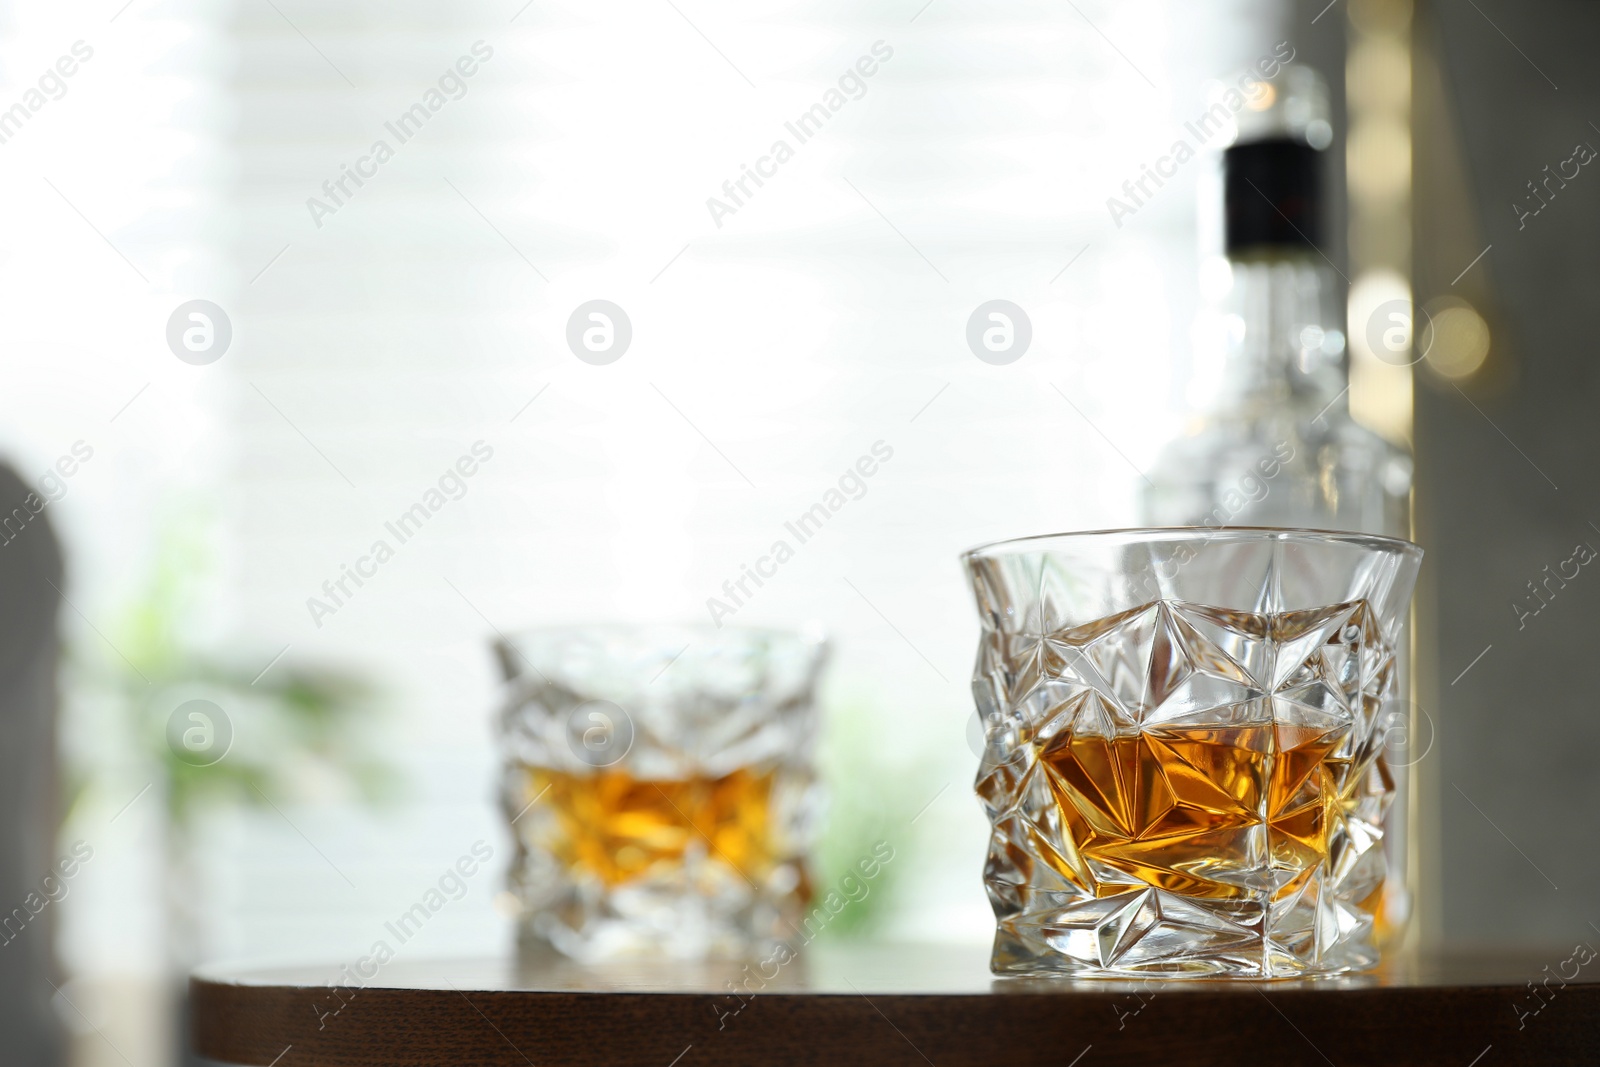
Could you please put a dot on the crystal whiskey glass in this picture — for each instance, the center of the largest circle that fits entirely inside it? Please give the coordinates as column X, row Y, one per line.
column 1184, row 761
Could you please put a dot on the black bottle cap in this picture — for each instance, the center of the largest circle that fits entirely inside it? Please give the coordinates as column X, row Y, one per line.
column 1272, row 195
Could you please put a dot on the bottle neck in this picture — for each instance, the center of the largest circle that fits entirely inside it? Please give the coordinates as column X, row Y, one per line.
column 1285, row 341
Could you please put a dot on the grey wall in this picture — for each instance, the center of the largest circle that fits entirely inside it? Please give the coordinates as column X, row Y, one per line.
column 30, row 575
column 1507, row 490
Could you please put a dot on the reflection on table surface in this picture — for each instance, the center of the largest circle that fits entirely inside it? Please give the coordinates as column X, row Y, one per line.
column 903, row 969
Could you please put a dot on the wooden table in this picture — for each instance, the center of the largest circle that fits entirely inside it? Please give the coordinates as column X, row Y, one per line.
column 890, row 1006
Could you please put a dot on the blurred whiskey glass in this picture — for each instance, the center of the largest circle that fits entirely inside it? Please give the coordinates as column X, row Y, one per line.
column 659, row 787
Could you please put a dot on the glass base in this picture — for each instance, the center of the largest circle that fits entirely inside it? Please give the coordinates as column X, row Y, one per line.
column 1151, row 934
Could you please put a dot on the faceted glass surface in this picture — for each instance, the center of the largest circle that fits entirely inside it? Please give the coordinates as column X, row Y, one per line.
column 659, row 786
column 1184, row 760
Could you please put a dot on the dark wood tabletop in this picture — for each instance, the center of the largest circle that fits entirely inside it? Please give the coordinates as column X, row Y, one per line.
column 890, row 1005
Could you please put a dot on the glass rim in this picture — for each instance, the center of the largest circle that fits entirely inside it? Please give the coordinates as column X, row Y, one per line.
column 539, row 646
column 1205, row 535
column 710, row 633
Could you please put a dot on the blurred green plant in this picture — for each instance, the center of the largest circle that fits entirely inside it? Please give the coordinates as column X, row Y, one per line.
column 296, row 728
column 294, row 723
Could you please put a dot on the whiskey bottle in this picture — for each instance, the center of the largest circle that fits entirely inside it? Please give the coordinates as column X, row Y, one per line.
column 1273, row 444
